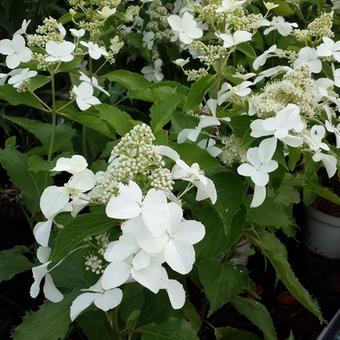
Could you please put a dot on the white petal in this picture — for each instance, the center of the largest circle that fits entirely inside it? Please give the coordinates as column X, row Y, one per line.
column 42, row 231
column 246, row 170
column 207, row 190
column 141, row 260
column 149, row 277
column 72, row 165
column 180, row 256
column 167, row 151
column 176, row 294
column 267, row 149
column 260, row 178
column 51, row 292
column 115, row 274
column 151, row 244
column 53, row 200
column 121, row 249
column 80, row 303
column 190, row 231
column 122, row 207
column 176, row 216
column 109, row 300
column 38, row 274
column 259, row 196
column 155, row 212
column 43, row 254
column 82, row 181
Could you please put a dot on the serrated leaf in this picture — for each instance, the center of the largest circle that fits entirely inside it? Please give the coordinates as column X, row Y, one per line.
column 322, row 191
column 197, row 91
column 246, row 49
column 222, row 282
column 50, row 322
column 258, row 314
column 276, row 252
column 75, row 232
column 163, row 108
column 36, row 164
column 38, row 81
column 130, row 80
column 89, row 118
column 63, row 133
column 9, row 94
column 118, row 120
column 95, row 325
column 13, row 261
column 31, row 185
column 173, row 329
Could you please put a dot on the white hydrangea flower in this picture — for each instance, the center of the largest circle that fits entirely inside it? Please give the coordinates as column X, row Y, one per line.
column 209, row 145
column 329, row 48
column 205, row 186
column 72, row 165
column 262, row 59
column 286, row 120
column 21, row 77
column 148, row 39
column 314, row 141
column 22, row 30
column 230, row 6
column 192, row 134
column 106, row 12
column 130, row 203
column 16, row 51
column 181, row 62
column 227, row 91
column 92, row 81
column 97, row 295
column 308, row 56
column 153, row 73
column 185, row 27
column 60, row 51
column 39, row 273
column 77, row 33
column 94, row 50
column 238, row 37
column 259, row 165
column 279, row 24
column 84, row 96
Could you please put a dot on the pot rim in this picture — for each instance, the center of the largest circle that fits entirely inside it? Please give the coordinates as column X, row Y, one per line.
column 333, row 221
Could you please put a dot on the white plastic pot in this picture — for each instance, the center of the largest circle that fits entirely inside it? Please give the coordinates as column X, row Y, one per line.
column 322, row 233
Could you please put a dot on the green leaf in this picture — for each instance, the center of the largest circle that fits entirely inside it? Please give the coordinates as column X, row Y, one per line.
column 9, row 94
column 75, row 232
column 246, row 49
column 229, row 333
column 13, row 261
column 38, row 82
column 36, row 164
column 222, row 282
column 95, row 325
column 230, row 197
column 270, row 213
column 163, row 108
column 50, row 322
column 276, row 252
column 72, row 273
column 322, row 191
column 118, row 120
column 63, row 133
column 197, row 91
column 258, row 314
column 89, row 118
column 31, row 185
column 173, row 329
column 131, row 81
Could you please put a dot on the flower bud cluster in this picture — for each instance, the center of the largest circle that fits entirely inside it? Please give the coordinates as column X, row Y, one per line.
column 94, row 264
column 295, row 87
column 135, row 156
column 232, row 152
column 208, row 54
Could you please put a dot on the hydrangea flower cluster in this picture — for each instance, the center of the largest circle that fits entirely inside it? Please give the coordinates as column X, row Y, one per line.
column 289, row 104
column 154, row 233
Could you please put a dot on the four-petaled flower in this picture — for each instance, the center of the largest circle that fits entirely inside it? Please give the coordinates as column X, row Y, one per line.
column 308, row 56
column 60, row 51
column 16, row 51
column 259, row 164
column 186, row 27
column 84, row 96
column 329, row 48
column 94, row 50
column 236, row 38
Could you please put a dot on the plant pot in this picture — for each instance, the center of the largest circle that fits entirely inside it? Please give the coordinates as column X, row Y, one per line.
column 322, row 233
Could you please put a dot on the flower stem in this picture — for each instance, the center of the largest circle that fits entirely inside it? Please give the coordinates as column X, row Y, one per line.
column 54, row 118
